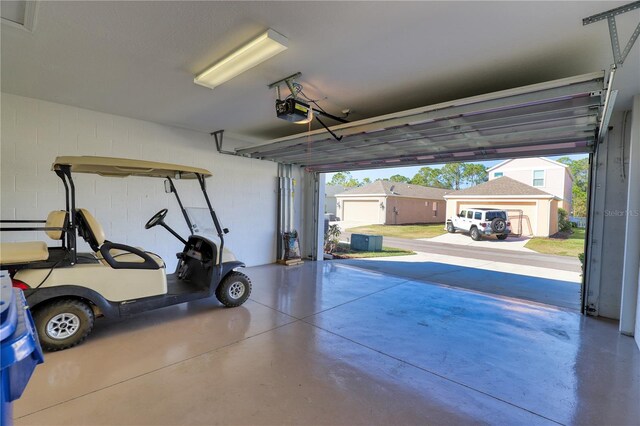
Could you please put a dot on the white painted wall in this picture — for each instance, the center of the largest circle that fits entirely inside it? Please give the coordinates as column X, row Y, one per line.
column 630, row 301
column 557, row 180
column 605, row 269
column 34, row 132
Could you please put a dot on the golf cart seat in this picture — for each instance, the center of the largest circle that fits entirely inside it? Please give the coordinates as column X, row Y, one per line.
column 56, row 219
column 23, row 253
column 117, row 256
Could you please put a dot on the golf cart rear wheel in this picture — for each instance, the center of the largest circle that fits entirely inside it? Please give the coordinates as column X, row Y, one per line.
column 475, row 234
column 234, row 290
column 63, row 323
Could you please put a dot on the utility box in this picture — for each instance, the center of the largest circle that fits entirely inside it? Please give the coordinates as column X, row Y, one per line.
column 365, row 242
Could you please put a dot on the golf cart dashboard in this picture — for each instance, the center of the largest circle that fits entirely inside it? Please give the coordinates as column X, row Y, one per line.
column 200, row 249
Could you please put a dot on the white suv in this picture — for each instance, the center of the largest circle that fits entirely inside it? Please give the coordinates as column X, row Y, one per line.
column 479, row 222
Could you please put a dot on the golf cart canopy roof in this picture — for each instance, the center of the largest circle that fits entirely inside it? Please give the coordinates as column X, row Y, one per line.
column 123, row 167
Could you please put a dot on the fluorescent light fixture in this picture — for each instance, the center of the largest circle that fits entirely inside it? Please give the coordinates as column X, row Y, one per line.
column 248, row 56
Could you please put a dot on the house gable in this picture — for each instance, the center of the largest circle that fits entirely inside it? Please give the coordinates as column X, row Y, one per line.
column 542, row 173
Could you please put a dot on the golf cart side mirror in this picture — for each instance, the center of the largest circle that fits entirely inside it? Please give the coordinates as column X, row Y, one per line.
column 168, row 188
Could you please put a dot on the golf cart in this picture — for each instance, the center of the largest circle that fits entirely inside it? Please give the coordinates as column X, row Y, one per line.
column 66, row 290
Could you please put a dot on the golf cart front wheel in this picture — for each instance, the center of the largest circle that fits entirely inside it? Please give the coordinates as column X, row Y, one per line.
column 63, row 323
column 234, row 290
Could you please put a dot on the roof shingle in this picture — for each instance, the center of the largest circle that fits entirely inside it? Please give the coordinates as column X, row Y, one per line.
column 501, row 186
column 395, row 189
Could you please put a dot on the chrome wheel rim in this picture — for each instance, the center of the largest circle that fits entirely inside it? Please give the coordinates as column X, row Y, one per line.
column 63, row 325
column 236, row 290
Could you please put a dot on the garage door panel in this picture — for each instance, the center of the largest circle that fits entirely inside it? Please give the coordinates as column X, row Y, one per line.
column 556, row 117
column 401, row 138
column 361, row 211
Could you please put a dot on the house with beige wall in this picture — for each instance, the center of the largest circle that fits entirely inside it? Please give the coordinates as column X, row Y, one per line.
column 392, row 203
column 539, row 172
column 531, row 211
column 330, row 201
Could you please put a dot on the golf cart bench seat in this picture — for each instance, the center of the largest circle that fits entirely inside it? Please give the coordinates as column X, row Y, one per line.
column 34, row 251
column 117, row 256
column 21, row 253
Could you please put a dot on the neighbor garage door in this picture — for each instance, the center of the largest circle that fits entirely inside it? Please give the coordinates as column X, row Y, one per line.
column 525, row 224
column 362, row 211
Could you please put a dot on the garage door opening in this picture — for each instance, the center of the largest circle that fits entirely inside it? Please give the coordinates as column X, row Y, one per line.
column 427, row 225
column 568, row 116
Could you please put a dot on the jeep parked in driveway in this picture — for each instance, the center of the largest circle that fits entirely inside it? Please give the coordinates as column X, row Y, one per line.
column 479, row 222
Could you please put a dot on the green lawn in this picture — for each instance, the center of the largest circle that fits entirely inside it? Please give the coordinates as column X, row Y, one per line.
column 571, row 245
column 402, row 231
column 343, row 251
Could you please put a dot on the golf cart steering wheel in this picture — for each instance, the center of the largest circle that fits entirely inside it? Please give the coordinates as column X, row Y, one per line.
column 157, row 218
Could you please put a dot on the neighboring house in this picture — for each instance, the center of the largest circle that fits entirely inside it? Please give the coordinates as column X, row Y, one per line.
column 531, row 210
column 392, row 203
column 330, row 192
column 542, row 173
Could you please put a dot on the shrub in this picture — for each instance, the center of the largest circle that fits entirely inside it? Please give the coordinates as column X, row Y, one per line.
column 331, row 238
column 563, row 223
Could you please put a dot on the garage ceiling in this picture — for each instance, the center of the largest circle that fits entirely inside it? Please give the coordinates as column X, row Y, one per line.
column 557, row 117
column 138, row 59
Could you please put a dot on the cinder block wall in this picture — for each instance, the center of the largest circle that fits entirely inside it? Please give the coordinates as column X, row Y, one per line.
column 34, row 132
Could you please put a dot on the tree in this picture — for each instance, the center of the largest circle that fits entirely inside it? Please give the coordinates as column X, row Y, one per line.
column 427, row 176
column 365, row 181
column 579, row 202
column 474, row 174
column 344, row 179
column 399, row 179
column 580, row 172
column 452, row 175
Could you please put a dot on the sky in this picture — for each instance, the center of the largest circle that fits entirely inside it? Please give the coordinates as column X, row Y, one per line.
column 412, row 170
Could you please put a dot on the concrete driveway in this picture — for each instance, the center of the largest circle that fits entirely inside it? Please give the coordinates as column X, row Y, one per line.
column 491, row 242
column 550, row 286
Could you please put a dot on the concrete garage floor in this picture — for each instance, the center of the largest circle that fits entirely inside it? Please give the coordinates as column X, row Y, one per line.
column 328, row 343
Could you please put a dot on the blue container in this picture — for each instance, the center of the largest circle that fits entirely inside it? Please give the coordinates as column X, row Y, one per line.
column 20, row 350
column 365, row 242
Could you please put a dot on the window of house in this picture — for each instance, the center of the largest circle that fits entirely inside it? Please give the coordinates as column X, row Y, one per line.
column 435, row 208
column 498, row 174
column 538, row 178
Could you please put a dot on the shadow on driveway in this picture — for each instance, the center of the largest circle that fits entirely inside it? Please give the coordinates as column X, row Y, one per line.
column 564, row 294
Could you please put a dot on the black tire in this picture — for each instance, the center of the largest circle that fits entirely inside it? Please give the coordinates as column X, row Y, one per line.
column 450, row 228
column 63, row 323
column 498, row 225
column 234, row 289
column 502, row 236
column 475, row 234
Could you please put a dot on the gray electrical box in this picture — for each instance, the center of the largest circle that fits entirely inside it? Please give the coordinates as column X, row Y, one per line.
column 365, row 242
